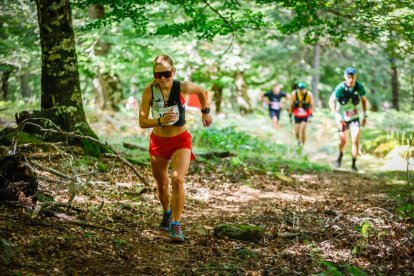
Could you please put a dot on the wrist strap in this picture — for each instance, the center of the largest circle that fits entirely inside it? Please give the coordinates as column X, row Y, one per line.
column 159, row 122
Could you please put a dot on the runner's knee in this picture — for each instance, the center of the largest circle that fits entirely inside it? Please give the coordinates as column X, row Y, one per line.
column 177, row 183
column 162, row 186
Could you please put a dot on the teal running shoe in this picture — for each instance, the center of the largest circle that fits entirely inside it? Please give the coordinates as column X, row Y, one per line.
column 176, row 234
column 165, row 224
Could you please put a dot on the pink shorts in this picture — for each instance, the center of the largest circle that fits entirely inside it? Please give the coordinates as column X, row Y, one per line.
column 165, row 146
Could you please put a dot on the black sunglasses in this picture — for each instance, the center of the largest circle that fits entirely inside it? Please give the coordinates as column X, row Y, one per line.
column 165, row 74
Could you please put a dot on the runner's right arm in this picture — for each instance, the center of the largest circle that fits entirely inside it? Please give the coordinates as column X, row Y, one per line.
column 144, row 120
column 292, row 102
column 332, row 105
column 265, row 98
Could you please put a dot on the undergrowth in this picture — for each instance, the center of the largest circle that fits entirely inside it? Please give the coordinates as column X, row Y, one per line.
column 253, row 153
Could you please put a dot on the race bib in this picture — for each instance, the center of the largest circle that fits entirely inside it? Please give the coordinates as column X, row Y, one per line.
column 351, row 113
column 275, row 105
column 160, row 112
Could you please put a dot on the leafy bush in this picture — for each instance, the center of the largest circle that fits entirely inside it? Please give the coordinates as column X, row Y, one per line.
column 253, row 153
column 381, row 142
column 227, row 139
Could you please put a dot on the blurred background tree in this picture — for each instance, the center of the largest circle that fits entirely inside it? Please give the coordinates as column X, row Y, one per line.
column 236, row 49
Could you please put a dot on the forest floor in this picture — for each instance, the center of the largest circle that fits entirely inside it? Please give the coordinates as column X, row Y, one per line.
column 316, row 222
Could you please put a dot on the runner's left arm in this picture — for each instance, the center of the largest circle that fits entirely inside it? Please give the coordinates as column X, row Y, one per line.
column 311, row 104
column 364, row 110
column 192, row 88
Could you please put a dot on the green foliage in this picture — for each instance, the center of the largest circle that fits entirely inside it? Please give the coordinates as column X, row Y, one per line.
column 331, row 268
column 228, row 139
column 43, row 197
column 140, row 159
column 102, row 167
column 338, row 20
column 19, row 45
column 253, row 153
column 280, row 58
column 119, row 243
column 355, row 271
column 245, row 253
column 392, row 129
column 380, row 145
column 205, row 19
column 406, row 210
column 22, row 137
column 84, row 163
column 364, row 230
column 93, row 149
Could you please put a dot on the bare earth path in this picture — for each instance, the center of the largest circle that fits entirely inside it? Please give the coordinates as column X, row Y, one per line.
column 310, row 219
column 315, row 222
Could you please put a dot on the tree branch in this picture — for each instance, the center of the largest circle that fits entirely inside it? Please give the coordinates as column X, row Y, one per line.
column 94, row 140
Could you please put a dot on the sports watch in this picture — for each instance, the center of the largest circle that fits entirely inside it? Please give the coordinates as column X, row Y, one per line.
column 205, row 110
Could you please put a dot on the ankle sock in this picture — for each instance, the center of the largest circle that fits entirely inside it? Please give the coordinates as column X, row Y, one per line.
column 168, row 213
column 175, row 223
column 339, row 159
column 353, row 162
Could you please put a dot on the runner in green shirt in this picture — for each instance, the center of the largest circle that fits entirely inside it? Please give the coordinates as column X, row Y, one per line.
column 344, row 103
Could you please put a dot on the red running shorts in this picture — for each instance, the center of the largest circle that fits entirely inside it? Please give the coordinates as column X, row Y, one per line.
column 165, row 146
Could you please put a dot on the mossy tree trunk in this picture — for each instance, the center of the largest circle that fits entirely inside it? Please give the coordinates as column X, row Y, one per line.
column 4, row 80
column 61, row 99
column 394, row 84
column 107, row 86
column 316, row 74
column 243, row 99
column 218, row 96
column 24, row 85
column 5, row 73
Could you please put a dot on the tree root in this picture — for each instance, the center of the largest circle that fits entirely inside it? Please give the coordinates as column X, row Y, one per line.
column 58, row 131
column 67, row 219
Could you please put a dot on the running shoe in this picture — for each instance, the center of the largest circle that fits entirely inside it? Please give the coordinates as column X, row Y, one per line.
column 337, row 164
column 176, row 234
column 165, row 224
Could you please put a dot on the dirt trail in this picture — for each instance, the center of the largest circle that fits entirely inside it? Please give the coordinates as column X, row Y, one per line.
column 309, row 219
column 321, row 144
column 348, row 220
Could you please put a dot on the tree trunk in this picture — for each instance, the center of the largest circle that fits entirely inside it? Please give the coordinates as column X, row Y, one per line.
column 5, row 75
column 107, row 87
column 108, row 91
column 243, row 100
column 24, row 85
column 394, row 84
column 374, row 101
column 316, row 74
column 61, row 94
column 218, row 96
column 412, row 86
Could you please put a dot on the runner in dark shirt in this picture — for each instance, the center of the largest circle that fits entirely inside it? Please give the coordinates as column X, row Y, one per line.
column 275, row 100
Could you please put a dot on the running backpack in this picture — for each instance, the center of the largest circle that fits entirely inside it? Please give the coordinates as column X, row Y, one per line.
column 301, row 103
column 348, row 95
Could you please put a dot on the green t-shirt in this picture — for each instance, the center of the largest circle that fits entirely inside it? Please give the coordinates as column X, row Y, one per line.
column 344, row 96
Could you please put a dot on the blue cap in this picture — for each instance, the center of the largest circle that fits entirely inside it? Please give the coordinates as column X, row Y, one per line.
column 301, row 85
column 350, row 71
